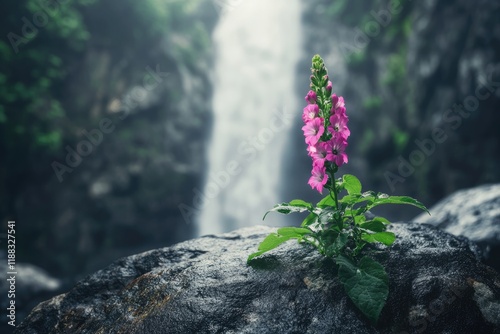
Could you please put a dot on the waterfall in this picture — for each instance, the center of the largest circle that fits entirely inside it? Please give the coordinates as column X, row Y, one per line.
column 258, row 45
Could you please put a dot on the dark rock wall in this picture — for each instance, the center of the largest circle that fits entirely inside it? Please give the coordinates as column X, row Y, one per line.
column 145, row 72
column 422, row 87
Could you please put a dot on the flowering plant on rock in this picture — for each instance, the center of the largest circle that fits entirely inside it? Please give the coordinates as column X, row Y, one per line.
column 339, row 228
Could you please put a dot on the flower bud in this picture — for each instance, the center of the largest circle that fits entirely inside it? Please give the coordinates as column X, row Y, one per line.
column 311, row 97
column 329, row 86
column 335, row 99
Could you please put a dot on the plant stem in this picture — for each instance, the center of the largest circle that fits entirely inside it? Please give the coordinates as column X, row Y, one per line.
column 334, row 191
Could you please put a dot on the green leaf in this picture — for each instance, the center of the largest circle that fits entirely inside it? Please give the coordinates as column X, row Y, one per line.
column 398, row 200
column 339, row 184
column 293, row 232
column 301, row 204
column 387, row 238
column 366, row 284
column 350, row 199
column 359, row 219
column 351, row 184
column 337, row 245
column 326, row 201
column 286, row 208
column 358, row 198
column 272, row 241
column 310, row 219
column 374, row 226
column 328, row 215
column 382, row 220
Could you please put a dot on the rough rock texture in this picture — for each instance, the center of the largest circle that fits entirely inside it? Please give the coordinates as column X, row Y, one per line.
column 437, row 283
column 472, row 213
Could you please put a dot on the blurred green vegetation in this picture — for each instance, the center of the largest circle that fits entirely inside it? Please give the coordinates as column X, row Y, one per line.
column 31, row 108
column 83, row 57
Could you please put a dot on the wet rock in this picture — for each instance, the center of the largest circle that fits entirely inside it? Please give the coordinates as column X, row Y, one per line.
column 472, row 213
column 437, row 285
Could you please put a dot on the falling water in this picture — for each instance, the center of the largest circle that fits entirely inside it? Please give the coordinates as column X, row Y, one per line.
column 257, row 48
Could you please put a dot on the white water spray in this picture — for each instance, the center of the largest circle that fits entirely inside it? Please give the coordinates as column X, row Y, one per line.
column 258, row 46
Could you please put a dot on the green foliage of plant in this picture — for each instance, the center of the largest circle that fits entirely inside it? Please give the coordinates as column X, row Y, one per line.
column 337, row 226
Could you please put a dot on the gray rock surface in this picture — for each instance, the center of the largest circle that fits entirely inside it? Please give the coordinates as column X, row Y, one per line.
column 437, row 285
column 472, row 213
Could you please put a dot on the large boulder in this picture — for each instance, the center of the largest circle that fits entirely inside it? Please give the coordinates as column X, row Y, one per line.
column 472, row 213
column 437, row 285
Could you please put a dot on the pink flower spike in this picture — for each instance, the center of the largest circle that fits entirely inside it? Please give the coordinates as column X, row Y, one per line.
column 311, row 97
column 336, row 152
column 318, row 178
column 338, row 126
column 313, row 130
column 310, row 112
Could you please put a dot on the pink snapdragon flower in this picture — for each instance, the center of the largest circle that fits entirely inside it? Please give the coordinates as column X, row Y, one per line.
column 337, row 102
column 336, row 151
column 329, row 86
column 310, row 112
column 313, row 130
column 338, row 125
column 318, row 178
column 311, row 149
column 319, row 153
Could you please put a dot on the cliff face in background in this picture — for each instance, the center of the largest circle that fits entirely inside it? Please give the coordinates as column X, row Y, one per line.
column 422, row 87
column 454, row 66
column 132, row 97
